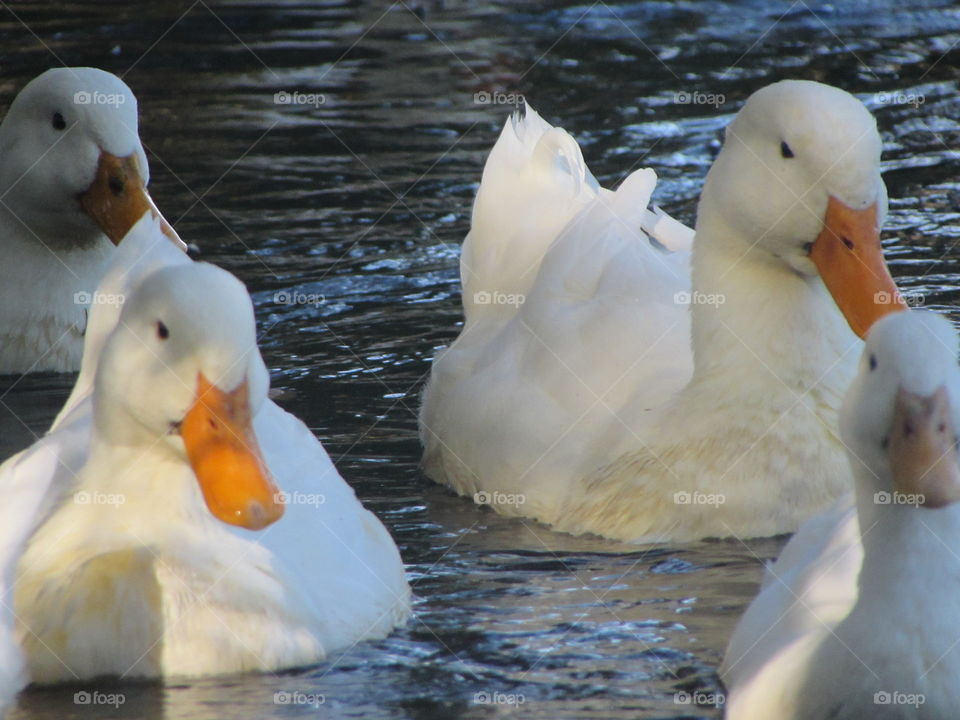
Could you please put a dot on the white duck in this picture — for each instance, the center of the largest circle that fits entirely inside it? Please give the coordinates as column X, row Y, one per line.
column 860, row 617
column 73, row 178
column 132, row 570
column 605, row 401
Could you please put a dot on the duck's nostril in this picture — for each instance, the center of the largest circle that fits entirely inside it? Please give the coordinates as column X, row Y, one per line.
column 116, row 185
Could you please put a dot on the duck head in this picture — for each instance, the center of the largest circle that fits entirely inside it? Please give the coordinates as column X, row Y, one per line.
column 902, row 412
column 73, row 168
column 181, row 371
column 799, row 179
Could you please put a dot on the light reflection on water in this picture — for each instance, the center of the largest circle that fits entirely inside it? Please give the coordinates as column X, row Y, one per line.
column 363, row 200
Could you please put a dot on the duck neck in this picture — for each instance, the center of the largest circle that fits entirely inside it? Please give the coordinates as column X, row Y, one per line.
column 752, row 313
column 911, row 574
column 45, row 293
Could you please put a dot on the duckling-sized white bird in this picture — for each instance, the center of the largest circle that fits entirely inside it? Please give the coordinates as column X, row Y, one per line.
column 619, row 392
column 194, row 527
column 860, row 617
column 73, row 178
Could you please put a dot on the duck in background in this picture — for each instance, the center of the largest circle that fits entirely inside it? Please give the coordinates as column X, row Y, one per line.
column 625, row 386
column 190, row 526
column 860, row 616
column 73, row 177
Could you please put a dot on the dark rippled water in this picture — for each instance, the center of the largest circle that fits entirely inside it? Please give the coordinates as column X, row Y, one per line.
column 363, row 201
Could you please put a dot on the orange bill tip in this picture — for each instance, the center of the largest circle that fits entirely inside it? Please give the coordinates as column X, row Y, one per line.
column 849, row 257
column 223, row 452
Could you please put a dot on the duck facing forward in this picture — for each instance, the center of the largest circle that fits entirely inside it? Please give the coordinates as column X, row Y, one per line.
column 73, row 178
column 860, row 618
column 165, row 548
column 647, row 393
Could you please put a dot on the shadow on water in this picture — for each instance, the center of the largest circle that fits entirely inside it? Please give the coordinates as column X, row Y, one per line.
column 355, row 208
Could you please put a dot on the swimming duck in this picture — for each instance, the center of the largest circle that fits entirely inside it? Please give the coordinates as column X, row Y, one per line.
column 645, row 393
column 73, row 177
column 860, row 615
column 192, row 526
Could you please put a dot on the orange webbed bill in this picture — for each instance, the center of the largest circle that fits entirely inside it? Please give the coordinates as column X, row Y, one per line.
column 849, row 258
column 117, row 198
column 223, row 451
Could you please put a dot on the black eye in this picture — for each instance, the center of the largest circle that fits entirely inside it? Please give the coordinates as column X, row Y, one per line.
column 58, row 122
column 162, row 332
column 785, row 150
column 873, row 362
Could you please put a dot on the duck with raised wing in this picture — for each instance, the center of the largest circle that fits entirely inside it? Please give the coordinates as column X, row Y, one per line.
column 625, row 386
column 191, row 526
column 860, row 616
column 73, row 177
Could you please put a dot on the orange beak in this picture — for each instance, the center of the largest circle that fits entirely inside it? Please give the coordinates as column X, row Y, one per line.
column 117, row 199
column 849, row 258
column 923, row 457
column 223, row 452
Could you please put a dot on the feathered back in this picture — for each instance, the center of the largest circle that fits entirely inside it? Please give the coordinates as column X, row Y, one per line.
column 535, row 180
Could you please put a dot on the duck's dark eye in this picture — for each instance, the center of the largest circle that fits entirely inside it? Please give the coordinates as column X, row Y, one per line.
column 873, row 362
column 58, row 122
column 162, row 332
column 785, row 150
